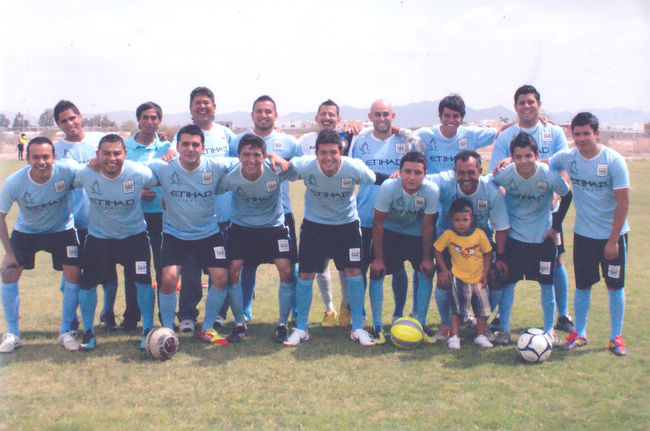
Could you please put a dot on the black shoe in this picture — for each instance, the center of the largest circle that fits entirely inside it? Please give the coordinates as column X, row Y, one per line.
column 564, row 323
column 237, row 334
column 127, row 325
column 108, row 319
column 74, row 325
column 280, row 334
column 88, row 341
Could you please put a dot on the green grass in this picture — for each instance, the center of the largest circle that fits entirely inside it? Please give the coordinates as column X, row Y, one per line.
column 331, row 383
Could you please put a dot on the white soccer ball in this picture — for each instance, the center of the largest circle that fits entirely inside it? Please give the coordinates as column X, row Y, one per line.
column 161, row 343
column 534, row 346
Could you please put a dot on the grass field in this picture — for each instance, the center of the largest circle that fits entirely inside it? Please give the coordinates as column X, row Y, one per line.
column 331, row 383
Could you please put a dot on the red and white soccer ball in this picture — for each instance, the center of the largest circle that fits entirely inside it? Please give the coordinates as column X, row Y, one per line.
column 534, row 346
column 161, row 343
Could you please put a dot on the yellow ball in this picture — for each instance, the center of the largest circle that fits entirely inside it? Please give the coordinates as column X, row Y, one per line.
column 406, row 333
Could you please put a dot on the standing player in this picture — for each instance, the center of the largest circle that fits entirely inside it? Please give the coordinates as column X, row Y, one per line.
column 403, row 229
column 601, row 185
column 530, row 251
column 116, row 231
column 22, row 141
column 330, row 229
column 42, row 191
column 550, row 140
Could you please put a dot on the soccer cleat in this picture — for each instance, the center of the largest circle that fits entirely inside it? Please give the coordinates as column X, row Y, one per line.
column 378, row 335
column 88, row 341
column 362, row 336
column 10, row 342
column 296, row 337
column 443, row 332
column 617, row 346
column 453, row 342
column 502, row 337
column 496, row 322
column 213, row 337
column 345, row 317
column 237, row 334
column 186, row 326
column 329, row 319
column 552, row 338
column 482, row 341
column 280, row 335
column 108, row 319
column 127, row 325
column 573, row 341
column 492, row 333
column 143, row 343
column 564, row 323
column 428, row 336
column 68, row 341
column 219, row 323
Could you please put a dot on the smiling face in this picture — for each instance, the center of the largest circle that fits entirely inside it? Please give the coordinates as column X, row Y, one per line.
column 264, row 116
column 382, row 116
column 70, row 124
column 467, row 175
column 412, row 174
column 251, row 159
column 41, row 159
column 524, row 159
column 110, row 157
column 189, row 148
column 586, row 140
column 449, row 122
column 527, row 108
column 329, row 158
column 149, row 121
column 202, row 109
column 327, row 117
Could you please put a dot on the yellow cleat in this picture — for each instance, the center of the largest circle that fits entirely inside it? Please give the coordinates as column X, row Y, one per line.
column 329, row 319
column 428, row 336
column 345, row 317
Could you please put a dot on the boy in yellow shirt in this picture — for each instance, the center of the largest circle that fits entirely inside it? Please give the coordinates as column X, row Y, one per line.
column 471, row 257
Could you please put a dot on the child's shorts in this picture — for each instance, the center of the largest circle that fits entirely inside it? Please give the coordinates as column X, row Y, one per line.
column 466, row 294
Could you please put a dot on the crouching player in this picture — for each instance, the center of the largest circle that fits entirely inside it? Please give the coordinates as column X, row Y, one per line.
column 403, row 229
column 116, row 231
column 601, row 185
column 471, row 256
column 42, row 191
column 330, row 229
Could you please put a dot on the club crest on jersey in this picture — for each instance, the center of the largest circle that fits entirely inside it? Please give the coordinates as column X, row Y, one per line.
column 59, row 186
column 419, row 201
column 547, row 135
column 573, row 168
column 355, row 255
column 346, row 183
column 278, row 144
column 220, row 252
column 481, row 205
column 283, row 245
column 271, row 185
column 141, row 267
column 541, row 187
column 400, row 148
column 72, row 251
column 128, row 186
column 311, row 180
column 95, row 188
column 601, row 170
column 175, row 178
column 462, row 144
column 206, row 177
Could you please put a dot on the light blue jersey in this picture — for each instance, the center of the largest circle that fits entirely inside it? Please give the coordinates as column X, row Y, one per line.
column 137, row 152
column 405, row 211
column 529, row 200
column 594, row 181
column 281, row 144
column 382, row 157
column 42, row 208
column 256, row 203
column 440, row 151
column 81, row 152
column 488, row 204
column 330, row 200
column 189, row 196
column 549, row 137
column 115, row 209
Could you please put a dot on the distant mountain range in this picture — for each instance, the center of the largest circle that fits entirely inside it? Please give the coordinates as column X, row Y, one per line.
column 411, row 115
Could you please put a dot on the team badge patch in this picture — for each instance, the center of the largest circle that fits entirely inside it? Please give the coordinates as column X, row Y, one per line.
column 206, row 177
column 278, row 145
column 128, row 186
column 419, row 201
column 220, row 252
column 346, row 183
column 59, row 186
column 481, row 205
column 614, row 271
column 271, row 185
column 283, row 245
column 72, row 251
column 541, row 187
column 547, row 135
column 400, row 148
column 601, row 170
column 462, row 144
column 544, row 267
column 355, row 255
column 141, row 267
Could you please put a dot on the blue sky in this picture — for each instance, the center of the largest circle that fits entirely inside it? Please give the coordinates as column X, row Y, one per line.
column 113, row 55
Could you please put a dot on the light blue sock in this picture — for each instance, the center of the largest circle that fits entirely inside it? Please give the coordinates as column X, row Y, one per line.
column 581, row 304
column 495, row 297
column 213, row 303
column 235, row 298
column 10, row 304
column 294, row 307
column 414, row 306
column 286, row 299
column 443, row 301
column 88, row 304
column 561, row 287
column 147, row 302
column 247, row 281
column 423, row 297
column 69, row 306
column 616, row 311
column 356, row 294
column 548, row 305
column 505, row 305
column 303, row 302
column 110, row 292
column 376, row 294
column 400, row 287
column 167, row 306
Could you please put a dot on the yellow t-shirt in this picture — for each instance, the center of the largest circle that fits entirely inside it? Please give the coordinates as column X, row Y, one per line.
column 466, row 253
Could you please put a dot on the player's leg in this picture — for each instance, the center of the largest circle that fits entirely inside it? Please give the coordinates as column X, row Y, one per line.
column 614, row 274
column 212, row 254
column 457, row 292
column 546, row 257
column 324, row 281
column 443, row 297
column 65, row 256
column 190, row 294
column 10, row 304
column 136, row 258
column 561, row 288
column 519, row 259
column 286, row 296
column 173, row 256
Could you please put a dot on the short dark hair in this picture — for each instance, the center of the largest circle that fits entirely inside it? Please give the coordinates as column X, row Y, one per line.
column 204, row 91
column 265, row 98
column 328, row 102
column 148, row 105
column 191, row 129
column 453, row 102
column 111, row 138
column 414, row 156
column 461, row 205
column 465, row 155
column 328, row 136
column 253, row 140
column 64, row 105
column 523, row 140
column 40, row 140
column 585, row 119
column 527, row 89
